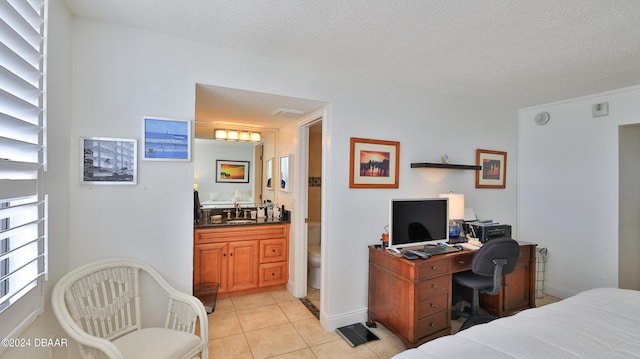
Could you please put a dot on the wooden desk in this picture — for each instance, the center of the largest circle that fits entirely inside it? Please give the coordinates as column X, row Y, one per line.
column 412, row 298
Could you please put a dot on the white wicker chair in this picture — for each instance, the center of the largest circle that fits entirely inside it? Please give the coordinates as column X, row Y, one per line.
column 98, row 305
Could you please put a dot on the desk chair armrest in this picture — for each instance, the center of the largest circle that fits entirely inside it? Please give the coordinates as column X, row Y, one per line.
column 497, row 276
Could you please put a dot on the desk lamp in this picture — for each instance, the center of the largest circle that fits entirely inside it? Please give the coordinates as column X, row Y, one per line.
column 456, row 212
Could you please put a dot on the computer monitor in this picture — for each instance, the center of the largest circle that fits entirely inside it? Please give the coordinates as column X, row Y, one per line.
column 418, row 222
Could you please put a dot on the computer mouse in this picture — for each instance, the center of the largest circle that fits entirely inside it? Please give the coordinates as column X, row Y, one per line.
column 457, row 246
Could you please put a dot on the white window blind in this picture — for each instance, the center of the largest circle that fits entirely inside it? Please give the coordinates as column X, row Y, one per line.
column 23, row 205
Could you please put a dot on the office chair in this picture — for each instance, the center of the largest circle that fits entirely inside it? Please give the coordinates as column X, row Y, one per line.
column 494, row 259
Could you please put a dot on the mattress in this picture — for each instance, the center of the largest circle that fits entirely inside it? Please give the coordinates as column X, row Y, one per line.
column 598, row 323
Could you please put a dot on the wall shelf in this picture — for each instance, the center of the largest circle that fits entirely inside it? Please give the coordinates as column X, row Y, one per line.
column 445, row 165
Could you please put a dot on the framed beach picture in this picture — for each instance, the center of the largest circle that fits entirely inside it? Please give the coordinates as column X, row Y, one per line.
column 232, row 171
column 109, row 161
column 374, row 163
column 494, row 169
column 166, row 140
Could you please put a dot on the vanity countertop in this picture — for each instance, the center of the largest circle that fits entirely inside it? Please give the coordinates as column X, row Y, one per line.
column 259, row 221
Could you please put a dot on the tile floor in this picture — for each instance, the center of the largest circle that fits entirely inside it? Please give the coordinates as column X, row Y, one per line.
column 278, row 325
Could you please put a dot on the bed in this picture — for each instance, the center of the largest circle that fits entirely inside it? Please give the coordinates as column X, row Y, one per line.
column 598, row 323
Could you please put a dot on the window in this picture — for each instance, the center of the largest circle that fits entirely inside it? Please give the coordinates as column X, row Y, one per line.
column 23, row 242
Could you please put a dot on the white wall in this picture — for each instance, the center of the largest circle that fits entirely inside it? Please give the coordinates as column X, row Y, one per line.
column 568, row 188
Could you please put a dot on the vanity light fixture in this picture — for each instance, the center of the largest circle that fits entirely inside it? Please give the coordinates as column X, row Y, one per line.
column 243, row 136
column 232, row 135
column 235, row 135
column 220, row 134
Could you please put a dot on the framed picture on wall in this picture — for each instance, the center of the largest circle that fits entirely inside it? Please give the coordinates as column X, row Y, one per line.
column 494, row 169
column 109, row 161
column 166, row 140
column 232, row 171
column 374, row 163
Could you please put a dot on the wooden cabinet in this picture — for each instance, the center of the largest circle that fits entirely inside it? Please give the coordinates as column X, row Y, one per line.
column 413, row 298
column 242, row 259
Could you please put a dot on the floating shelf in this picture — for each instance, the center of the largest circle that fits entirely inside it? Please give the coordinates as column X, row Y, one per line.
column 444, row 165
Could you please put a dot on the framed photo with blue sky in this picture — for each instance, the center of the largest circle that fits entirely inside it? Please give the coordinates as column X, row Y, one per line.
column 166, row 139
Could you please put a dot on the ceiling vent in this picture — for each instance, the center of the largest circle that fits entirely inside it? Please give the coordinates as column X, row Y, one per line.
column 286, row 112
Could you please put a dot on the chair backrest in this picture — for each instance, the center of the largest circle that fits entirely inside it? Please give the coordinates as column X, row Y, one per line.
column 498, row 248
column 104, row 300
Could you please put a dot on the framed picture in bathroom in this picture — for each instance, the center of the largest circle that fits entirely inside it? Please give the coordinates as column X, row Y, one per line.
column 232, row 171
column 374, row 163
column 285, row 173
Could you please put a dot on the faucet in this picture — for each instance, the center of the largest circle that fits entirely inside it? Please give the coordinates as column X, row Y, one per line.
column 237, row 206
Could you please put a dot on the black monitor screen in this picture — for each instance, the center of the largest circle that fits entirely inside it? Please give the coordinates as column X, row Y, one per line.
column 417, row 222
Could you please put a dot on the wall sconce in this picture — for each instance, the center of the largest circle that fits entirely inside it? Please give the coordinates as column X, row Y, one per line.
column 234, row 135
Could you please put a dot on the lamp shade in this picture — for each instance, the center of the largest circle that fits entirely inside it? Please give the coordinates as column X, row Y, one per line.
column 456, row 205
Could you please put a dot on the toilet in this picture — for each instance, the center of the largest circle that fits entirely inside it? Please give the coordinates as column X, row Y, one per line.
column 313, row 254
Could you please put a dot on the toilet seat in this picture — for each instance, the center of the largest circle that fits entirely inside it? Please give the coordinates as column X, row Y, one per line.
column 314, row 251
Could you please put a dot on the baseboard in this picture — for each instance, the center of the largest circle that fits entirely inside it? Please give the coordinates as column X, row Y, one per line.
column 330, row 323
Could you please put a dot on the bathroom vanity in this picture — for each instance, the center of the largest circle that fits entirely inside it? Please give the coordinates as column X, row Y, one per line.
column 244, row 258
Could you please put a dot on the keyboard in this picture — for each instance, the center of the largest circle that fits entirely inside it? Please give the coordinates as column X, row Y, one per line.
column 433, row 250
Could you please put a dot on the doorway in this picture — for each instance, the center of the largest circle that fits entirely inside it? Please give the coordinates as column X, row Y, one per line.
column 314, row 211
column 629, row 206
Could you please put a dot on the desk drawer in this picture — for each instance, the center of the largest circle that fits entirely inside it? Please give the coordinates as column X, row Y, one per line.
column 433, row 268
column 462, row 263
column 432, row 305
column 433, row 287
column 432, row 324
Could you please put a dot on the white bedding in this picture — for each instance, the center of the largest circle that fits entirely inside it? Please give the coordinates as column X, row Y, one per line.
column 598, row 323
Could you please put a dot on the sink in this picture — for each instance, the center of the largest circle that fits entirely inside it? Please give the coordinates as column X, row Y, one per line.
column 240, row 221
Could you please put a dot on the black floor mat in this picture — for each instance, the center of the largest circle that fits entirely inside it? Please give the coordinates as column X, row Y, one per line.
column 356, row 334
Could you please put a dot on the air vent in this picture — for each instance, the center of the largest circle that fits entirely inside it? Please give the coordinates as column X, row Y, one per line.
column 287, row 112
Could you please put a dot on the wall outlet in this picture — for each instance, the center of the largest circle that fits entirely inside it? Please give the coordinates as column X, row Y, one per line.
column 600, row 109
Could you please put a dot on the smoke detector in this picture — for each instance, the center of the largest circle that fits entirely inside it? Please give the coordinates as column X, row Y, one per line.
column 286, row 112
column 542, row 118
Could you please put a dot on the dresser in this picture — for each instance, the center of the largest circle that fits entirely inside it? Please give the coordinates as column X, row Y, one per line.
column 412, row 298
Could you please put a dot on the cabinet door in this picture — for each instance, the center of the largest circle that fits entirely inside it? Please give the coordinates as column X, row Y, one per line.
column 243, row 265
column 516, row 288
column 210, row 264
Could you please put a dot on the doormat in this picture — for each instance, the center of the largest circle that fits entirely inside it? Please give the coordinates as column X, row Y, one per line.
column 356, row 334
column 312, row 307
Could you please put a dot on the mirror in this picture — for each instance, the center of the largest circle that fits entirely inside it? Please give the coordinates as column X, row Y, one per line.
column 285, row 173
column 269, row 173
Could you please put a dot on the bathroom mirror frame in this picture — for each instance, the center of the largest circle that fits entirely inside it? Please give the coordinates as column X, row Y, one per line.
column 285, row 173
column 269, row 174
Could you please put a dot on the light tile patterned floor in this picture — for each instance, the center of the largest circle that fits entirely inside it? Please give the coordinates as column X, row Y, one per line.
column 278, row 325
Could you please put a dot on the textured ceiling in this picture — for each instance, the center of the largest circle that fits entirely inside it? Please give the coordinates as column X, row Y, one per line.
column 517, row 53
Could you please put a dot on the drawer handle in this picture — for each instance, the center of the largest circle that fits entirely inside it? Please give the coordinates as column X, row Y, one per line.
column 461, row 262
column 434, row 286
column 434, row 268
column 433, row 305
column 273, row 250
column 432, row 325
